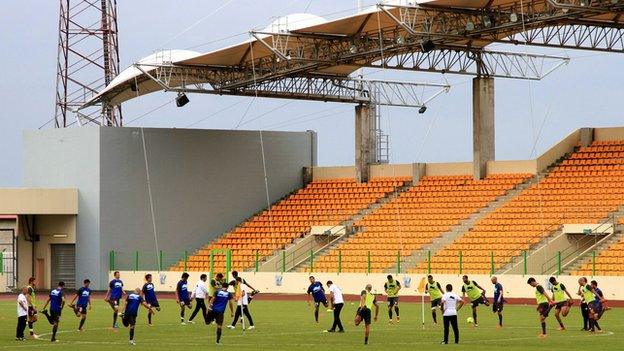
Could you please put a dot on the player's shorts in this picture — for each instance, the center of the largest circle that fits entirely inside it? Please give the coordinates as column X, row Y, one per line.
column 186, row 302
column 393, row 301
column 365, row 314
column 318, row 303
column 544, row 309
column 82, row 309
column 55, row 316
column 31, row 311
column 114, row 303
column 497, row 307
column 595, row 306
column 436, row 303
column 215, row 316
column 479, row 301
column 154, row 304
column 561, row 305
column 128, row 320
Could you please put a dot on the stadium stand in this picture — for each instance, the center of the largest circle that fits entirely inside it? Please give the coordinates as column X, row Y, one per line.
column 414, row 219
column 584, row 188
column 608, row 262
column 326, row 202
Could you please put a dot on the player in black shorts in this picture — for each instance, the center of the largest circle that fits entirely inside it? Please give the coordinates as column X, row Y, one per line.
column 367, row 301
column 544, row 303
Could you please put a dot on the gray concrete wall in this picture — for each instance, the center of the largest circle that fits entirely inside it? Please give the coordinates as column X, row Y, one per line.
column 204, row 182
column 70, row 158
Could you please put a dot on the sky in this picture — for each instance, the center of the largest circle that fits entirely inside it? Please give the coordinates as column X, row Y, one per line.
column 530, row 116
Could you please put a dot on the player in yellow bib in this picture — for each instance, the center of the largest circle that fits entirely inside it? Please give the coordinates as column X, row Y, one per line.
column 594, row 302
column 563, row 300
column 392, row 287
column 544, row 303
column 476, row 294
column 31, row 298
column 435, row 292
column 367, row 301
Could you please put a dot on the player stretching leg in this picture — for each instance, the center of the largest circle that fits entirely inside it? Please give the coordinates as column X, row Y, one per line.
column 544, row 303
column 476, row 294
column 149, row 295
column 594, row 303
column 84, row 303
column 317, row 293
column 367, row 301
column 434, row 289
column 113, row 295
column 131, row 310
column 562, row 303
column 182, row 296
column 216, row 308
column 392, row 288
column 57, row 302
column 499, row 301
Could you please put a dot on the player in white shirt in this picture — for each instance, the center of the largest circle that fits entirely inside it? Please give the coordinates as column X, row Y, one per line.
column 22, row 314
column 451, row 303
column 199, row 294
column 242, row 296
column 336, row 302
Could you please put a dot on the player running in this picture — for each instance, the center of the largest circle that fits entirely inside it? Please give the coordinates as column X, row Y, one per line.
column 31, row 298
column 544, row 303
column 364, row 311
column 131, row 310
column 317, row 293
column 434, row 289
column 149, row 295
column 392, row 288
column 56, row 299
column 84, row 303
column 216, row 308
column 476, row 295
column 562, row 303
column 499, row 301
column 113, row 295
column 183, row 298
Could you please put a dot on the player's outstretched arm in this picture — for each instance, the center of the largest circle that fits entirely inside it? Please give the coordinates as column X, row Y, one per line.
column 479, row 287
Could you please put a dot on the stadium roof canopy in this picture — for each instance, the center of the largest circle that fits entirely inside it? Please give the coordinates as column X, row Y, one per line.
column 447, row 36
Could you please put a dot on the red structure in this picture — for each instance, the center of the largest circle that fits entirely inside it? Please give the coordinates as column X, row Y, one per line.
column 88, row 59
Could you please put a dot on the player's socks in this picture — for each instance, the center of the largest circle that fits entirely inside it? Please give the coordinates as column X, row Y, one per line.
column 82, row 321
column 31, row 329
column 390, row 313
column 316, row 315
column 597, row 325
column 474, row 317
column 591, row 325
column 396, row 310
column 218, row 335
column 131, row 333
column 435, row 317
column 500, row 320
column 366, row 340
column 544, row 328
column 149, row 318
column 54, row 329
column 114, row 319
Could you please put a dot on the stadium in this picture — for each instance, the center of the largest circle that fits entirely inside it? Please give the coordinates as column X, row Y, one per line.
column 337, row 164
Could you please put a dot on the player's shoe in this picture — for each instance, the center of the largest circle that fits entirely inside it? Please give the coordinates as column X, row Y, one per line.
column 561, row 329
column 190, row 322
column 251, row 328
column 542, row 336
column 398, row 319
column 34, row 336
column 150, row 324
column 183, row 323
column 132, row 342
column 231, row 327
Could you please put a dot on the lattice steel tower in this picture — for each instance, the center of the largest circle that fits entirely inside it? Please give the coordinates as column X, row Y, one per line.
column 88, row 59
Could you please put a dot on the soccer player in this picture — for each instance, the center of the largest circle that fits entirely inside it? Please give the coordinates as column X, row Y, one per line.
column 199, row 294
column 476, row 294
column 113, row 295
column 499, row 301
column 131, row 310
column 252, row 291
column 594, row 302
column 544, row 303
column 562, row 303
column 32, row 307
column 56, row 299
column 182, row 296
column 450, row 304
column 337, row 303
column 216, row 283
column 148, row 292
column 242, row 297
column 216, row 308
column 84, row 303
column 22, row 314
column 434, row 289
column 367, row 301
column 317, row 293
column 584, row 310
column 392, row 288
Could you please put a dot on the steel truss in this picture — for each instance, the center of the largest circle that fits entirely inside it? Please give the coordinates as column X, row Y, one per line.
column 314, row 88
column 88, row 60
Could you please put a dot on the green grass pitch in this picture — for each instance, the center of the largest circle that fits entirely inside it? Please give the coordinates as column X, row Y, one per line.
column 289, row 325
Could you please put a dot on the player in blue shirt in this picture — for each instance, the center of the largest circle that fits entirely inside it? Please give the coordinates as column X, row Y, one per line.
column 182, row 296
column 131, row 310
column 498, row 301
column 216, row 308
column 84, row 303
column 149, row 295
column 317, row 292
column 113, row 295
column 601, row 304
column 56, row 299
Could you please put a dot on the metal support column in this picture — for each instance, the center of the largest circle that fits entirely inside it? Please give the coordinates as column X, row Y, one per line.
column 482, row 124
